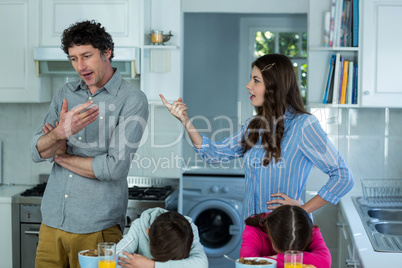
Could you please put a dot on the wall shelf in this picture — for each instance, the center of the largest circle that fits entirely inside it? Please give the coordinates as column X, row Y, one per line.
column 161, row 47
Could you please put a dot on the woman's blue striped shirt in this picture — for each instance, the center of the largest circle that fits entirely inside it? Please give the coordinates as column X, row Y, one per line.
column 304, row 144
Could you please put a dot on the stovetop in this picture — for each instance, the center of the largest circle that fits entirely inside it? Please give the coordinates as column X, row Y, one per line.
column 38, row 190
column 149, row 193
column 141, row 193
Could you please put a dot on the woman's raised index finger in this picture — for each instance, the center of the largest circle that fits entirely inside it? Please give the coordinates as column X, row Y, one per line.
column 165, row 102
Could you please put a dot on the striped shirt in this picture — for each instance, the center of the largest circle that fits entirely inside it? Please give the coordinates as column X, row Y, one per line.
column 303, row 145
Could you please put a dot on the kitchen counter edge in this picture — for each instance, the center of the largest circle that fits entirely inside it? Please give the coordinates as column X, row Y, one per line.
column 368, row 257
column 8, row 191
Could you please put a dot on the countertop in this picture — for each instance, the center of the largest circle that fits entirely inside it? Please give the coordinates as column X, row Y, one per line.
column 213, row 171
column 368, row 257
column 7, row 192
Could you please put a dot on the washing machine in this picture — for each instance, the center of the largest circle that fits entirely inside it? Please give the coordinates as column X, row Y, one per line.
column 214, row 202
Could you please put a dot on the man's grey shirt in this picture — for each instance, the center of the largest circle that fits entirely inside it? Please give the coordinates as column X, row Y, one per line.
column 81, row 205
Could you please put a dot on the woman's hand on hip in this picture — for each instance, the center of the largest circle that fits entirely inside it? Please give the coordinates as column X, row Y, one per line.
column 286, row 200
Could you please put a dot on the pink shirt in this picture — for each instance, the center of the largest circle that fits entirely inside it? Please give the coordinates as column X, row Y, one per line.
column 257, row 244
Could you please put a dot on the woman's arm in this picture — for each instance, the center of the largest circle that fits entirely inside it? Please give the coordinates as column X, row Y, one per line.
column 210, row 151
column 179, row 110
column 317, row 147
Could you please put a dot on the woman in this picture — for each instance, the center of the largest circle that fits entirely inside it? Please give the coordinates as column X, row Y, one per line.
column 279, row 145
column 286, row 228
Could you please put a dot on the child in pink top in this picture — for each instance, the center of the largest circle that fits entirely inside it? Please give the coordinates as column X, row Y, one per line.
column 286, row 228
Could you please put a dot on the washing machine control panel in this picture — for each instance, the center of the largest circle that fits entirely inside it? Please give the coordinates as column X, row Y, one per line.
column 215, row 189
column 215, row 186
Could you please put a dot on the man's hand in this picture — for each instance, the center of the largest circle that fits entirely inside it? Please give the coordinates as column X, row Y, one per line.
column 286, row 200
column 135, row 261
column 47, row 128
column 73, row 121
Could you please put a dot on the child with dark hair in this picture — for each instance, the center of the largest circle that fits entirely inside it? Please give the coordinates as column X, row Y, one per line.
column 286, row 228
column 162, row 239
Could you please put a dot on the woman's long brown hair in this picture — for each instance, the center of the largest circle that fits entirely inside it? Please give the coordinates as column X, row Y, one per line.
column 282, row 92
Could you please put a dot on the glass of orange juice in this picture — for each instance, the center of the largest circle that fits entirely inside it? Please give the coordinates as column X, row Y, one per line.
column 107, row 255
column 293, row 259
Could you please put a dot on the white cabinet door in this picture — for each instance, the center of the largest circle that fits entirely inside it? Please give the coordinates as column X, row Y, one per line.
column 381, row 62
column 121, row 18
column 19, row 27
column 6, row 255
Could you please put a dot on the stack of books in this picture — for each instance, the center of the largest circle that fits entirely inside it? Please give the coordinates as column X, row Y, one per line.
column 341, row 26
column 341, row 85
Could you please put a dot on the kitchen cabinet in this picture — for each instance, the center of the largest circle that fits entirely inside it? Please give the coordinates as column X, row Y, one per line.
column 381, row 85
column 347, row 251
column 121, row 18
column 319, row 56
column 19, row 28
column 5, row 233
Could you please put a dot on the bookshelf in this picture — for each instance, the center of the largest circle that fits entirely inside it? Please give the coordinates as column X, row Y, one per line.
column 319, row 56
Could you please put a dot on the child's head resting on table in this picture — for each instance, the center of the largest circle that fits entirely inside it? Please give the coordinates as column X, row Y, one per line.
column 288, row 227
column 170, row 237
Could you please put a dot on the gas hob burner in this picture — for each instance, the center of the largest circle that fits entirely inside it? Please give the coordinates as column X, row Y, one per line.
column 38, row 190
column 149, row 193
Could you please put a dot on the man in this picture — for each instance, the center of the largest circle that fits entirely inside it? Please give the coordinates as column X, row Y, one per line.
column 92, row 129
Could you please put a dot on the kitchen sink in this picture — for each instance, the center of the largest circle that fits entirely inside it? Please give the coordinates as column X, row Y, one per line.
column 389, row 228
column 386, row 214
column 382, row 222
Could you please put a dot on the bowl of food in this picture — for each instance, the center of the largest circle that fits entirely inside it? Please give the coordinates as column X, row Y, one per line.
column 88, row 258
column 255, row 262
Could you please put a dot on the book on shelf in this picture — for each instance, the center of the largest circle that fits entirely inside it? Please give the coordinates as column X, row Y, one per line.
column 328, row 89
column 349, row 89
column 335, row 91
column 343, row 21
column 331, row 26
column 345, row 73
column 338, row 81
column 354, row 94
column 341, row 83
column 355, row 23
column 327, row 26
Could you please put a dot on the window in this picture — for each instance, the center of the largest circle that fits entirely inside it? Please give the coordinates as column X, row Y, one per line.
column 291, row 44
column 270, row 33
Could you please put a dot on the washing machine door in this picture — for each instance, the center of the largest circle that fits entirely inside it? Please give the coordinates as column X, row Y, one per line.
column 219, row 226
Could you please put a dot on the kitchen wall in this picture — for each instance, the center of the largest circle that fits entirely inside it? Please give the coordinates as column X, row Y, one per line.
column 210, row 74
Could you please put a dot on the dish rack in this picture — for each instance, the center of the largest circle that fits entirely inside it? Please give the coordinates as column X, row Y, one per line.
column 383, row 192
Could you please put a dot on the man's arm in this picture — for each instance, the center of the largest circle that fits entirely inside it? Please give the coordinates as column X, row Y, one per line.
column 71, row 122
column 77, row 164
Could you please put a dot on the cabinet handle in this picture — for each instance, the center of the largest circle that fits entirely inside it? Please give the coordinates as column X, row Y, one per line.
column 352, row 263
column 366, row 92
column 340, row 224
column 31, row 232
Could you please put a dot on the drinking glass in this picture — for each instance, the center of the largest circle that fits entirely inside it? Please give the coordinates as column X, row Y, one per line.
column 107, row 255
column 293, row 259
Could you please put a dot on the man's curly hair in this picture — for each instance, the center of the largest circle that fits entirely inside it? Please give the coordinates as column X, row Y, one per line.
column 87, row 33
